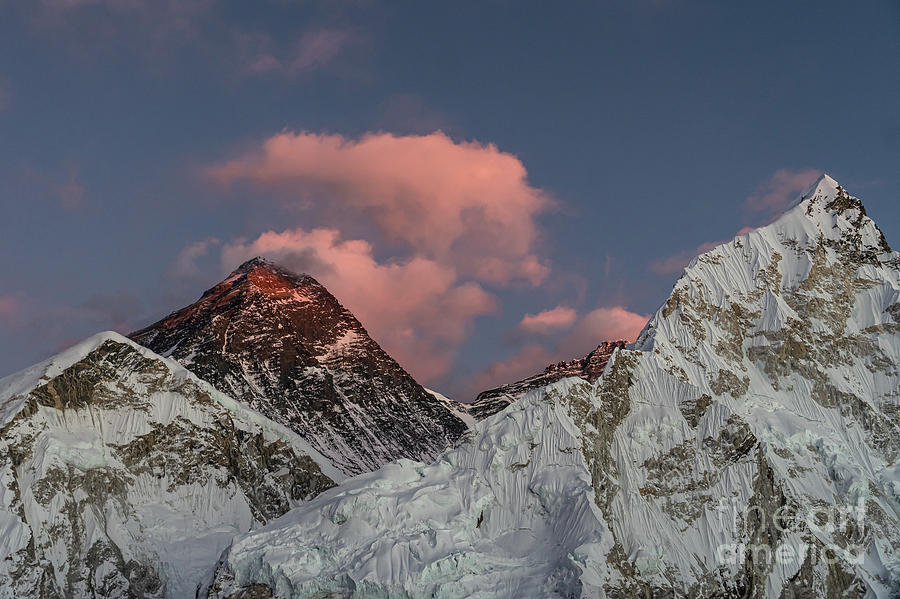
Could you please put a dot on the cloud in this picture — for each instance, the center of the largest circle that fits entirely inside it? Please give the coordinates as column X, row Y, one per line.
column 160, row 30
column 314, row 49
column 70, row 192
column 411, row 230
column 61, row 184
column 185, row 265
column 779, row 191
column 9, row 308
column 467, row 205
column 317, row 48
column 609, row 323
column 555, row 319
column 417, row 309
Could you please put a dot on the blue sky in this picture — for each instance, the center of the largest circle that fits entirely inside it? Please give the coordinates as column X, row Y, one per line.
column 601, row 144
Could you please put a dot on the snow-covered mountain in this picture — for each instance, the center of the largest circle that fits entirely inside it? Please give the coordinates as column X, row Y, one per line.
column 124, row 475
column 508, row 513
column 589, row 368
column 283, row 345
column 745, row 446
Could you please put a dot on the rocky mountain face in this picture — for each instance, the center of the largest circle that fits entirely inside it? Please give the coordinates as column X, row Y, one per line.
column 590, row 368
column 283, row 345
column 745, row 446
column 124, row 475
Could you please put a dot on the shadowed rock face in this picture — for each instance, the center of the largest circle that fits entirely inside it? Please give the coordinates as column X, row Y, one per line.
column 283, row 345
column 589, row 368
column 122, row 475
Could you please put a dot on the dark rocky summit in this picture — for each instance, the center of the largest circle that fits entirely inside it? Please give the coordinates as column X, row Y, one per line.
column 282, row 344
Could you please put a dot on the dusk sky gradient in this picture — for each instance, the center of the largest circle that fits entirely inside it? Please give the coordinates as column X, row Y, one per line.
column 489, row 186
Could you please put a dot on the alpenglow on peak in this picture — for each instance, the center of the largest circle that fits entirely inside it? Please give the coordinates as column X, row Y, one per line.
column 285, row 346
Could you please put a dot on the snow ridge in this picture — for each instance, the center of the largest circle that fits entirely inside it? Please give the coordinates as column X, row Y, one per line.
column 122, row 474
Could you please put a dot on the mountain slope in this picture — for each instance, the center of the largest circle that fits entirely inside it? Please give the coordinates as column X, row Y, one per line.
column 745, row 446
column 508, row 513
column 589, row 368
column 282, row 344
column 123, row 475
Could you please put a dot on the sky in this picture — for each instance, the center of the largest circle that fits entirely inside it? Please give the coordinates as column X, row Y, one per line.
column 489, row 186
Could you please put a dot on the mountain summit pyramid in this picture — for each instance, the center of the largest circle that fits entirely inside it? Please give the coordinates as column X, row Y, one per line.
column 282, row 344
column 746, row 446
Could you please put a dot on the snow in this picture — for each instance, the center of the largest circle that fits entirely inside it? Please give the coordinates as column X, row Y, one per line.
column 820, row 423
column 459, row 410
column 176, row 527
column 455, row 528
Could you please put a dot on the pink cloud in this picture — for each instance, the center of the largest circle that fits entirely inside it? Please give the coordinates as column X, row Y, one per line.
column 555, row 319
column 317, row 48
column 313, row 50
column 185, row 265
column 466, row 205
column 453, row 216
column 9, row 308
column 70, row 191
column 417, row 309
column 776, row 194
column 61, row 184
column 609, row 323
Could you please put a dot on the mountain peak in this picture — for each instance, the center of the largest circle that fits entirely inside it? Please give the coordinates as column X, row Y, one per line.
column 269, row 278
column 253, row 263
column 265, row 273
column 824, row 187
column 825, row 184
column 284, row 345
column 827, row 210
column 827, row 196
